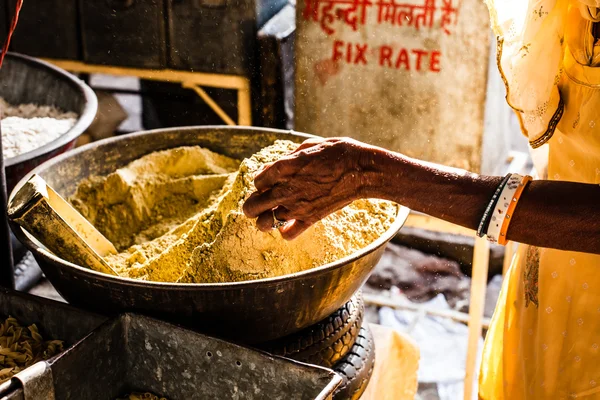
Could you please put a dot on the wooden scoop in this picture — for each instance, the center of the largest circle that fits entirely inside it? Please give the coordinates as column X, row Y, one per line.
column 57, row 225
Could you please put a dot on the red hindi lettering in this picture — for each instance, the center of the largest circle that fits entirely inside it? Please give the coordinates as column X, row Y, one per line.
column 395, row 13
column 449, row 15
column 323, row 15
column 311, row 10
column 355, row 14
column 425, row 15
column 351, row 12
column 406, row 14
column 328, row 18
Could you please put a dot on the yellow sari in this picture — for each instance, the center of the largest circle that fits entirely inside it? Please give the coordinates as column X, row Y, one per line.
column 544, row 341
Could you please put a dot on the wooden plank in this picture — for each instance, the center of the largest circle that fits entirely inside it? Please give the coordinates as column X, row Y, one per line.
column 244, row 106
column 211, row 103
column 192, row 80
column 167, row 75
column 476, row 307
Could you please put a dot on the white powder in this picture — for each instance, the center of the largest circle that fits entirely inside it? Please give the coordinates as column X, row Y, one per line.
column 20, row 135
column 27, row 127
column 33, row 111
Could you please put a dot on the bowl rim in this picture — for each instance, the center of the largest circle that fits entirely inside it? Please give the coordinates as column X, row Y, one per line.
column 25, row 237
column 86, row 116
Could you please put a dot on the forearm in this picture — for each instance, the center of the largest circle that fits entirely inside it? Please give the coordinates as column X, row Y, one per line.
column 550, row 214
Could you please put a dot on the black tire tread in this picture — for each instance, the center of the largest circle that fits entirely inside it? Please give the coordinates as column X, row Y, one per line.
column 326, row 342
column 356, row 367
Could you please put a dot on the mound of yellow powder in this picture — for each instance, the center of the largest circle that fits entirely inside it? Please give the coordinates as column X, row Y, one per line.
column 153, row 194
column 181, row 210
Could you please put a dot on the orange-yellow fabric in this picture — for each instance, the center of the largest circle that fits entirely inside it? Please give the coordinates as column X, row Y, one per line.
column 396, row 365
column 544, row 340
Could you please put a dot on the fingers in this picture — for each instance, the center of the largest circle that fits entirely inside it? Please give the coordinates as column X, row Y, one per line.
column 279, row 171
column 272, row 174
column 259, row 203
column 283, row 214
column 308, row 143
column 265, row 221
column 267, row 177
column 293, row 229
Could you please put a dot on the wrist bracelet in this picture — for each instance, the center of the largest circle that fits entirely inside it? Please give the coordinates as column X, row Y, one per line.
column 502, row 239
column 487, row 215
column 499, row 212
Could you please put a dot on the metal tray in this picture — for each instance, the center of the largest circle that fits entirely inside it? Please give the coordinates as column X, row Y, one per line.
column 137, row 353
column 55, row 320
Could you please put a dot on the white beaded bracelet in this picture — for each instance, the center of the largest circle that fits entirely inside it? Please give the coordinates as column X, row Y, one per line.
column 502, row 205
column 487, row 214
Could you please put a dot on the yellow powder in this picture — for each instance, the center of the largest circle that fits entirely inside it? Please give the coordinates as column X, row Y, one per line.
column 153, row 194
column 211, row 240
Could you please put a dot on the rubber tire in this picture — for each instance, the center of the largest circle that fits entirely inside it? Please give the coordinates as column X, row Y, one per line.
column 326, row 342
column 356, row 367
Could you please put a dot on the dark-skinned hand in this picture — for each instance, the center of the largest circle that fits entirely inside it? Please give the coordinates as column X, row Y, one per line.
column 320, row 177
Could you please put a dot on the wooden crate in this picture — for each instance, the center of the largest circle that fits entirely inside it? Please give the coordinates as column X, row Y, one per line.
column 216, row 35
column 127, row 33
column 276, row 57
column 408, row 75
column 47, row 28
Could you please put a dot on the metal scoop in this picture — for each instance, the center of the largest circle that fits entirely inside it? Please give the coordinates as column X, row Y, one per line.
column 57, row 225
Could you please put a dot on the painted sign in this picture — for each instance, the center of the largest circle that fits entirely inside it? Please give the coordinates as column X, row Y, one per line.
column 408, row 75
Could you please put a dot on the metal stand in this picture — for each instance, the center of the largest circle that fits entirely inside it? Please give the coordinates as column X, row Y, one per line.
column 188, row 80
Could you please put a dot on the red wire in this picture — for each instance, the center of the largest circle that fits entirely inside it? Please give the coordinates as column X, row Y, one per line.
column 13, row 26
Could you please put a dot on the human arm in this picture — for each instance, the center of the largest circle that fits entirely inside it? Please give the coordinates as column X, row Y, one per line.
column 323, row 176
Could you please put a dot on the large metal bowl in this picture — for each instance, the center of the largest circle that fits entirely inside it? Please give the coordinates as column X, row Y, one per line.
column 25, row 80
column 250, row 311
